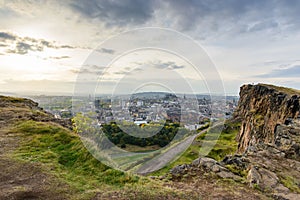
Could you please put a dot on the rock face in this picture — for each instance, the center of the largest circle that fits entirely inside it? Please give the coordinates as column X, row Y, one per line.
column 262, row 108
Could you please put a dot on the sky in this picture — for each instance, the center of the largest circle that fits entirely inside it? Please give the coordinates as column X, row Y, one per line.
column 49, row 47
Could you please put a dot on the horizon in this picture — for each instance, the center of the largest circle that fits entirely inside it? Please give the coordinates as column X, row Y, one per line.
column 35, row 93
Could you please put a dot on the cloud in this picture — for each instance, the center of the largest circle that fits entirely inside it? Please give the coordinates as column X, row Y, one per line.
column 167, row 65
column 263, row 26
column 3, row 45
column 293, row 71
column 199, row 16
column 122, row 72
column 104, row 50
column 22, row 48
column 22, row 45
column 59, row 57
column 232, row 14
column 7, row 36
column 120, row 13
column 89, row 69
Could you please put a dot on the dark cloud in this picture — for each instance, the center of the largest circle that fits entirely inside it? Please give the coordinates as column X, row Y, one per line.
column 89, row 69
column 23, row 48
column 129, row 70
column 189, row 14
column 168, row 65
column 218, row 16
column 7, row 36
column 104, row 50
column 3, row 45
column 123, row 72
column 157, row 65
column 22, row 45
column 65, row 47
column 59, row 57
column 120, row 13
column 293, row 71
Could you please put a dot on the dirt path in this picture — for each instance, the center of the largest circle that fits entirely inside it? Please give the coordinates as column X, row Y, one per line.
column 20, row 180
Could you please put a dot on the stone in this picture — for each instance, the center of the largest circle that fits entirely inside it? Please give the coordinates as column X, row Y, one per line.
column 265, row 179
column 207, row 162
column 253, row 176
column 228, row 175
column 237, row 160
column 179, row 169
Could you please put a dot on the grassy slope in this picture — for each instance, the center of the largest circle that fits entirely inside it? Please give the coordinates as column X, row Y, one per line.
column 59, row 152
column 224, row 145
column 63, row 154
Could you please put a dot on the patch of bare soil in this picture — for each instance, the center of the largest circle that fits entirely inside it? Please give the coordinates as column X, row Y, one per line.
column 20, row 180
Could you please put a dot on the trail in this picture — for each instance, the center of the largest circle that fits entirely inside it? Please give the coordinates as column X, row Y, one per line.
column 163, row 159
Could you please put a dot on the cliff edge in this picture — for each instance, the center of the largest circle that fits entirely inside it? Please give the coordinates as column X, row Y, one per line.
column 268, row 143
column 269, row 115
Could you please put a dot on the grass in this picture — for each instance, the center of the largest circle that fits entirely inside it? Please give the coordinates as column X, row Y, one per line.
column 63, row 154
column 224, row 145
column 292, row 183
column 236, row 170
column 49, row 143
column 289, row 91
column 12, row 99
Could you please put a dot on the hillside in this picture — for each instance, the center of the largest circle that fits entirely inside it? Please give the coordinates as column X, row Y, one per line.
column 43, row 159
column 255, row 157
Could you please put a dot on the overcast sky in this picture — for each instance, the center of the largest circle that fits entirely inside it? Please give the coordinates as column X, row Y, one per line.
column 44, row 45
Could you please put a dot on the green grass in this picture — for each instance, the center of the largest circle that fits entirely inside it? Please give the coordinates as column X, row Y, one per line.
column 236, row 170
column 12, row 99
column 62, row 153
column 289, row 91
column 224, row 145
column 50, row 143
column 292, row 183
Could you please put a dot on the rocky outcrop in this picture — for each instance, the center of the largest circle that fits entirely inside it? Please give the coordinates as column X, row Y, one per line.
column 261, row 109
column 13, row 109
column 206, row 164
column 268, row 156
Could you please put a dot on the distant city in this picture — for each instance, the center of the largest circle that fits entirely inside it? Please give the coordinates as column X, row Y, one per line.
column 144, row 108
